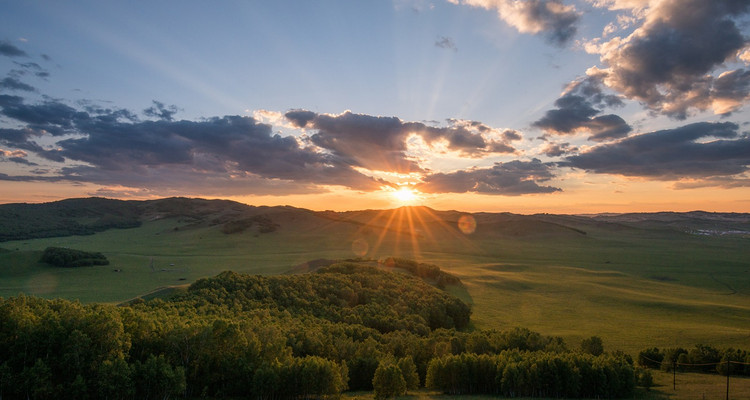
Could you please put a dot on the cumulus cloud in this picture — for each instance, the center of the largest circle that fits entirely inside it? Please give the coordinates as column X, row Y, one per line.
column 380, row 143
column 577, row 111
column 695, row 151
column 551, row 18
column 669, row 62
column 511, row 179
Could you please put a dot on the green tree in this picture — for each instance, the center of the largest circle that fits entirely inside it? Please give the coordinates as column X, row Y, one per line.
column 114, row 380
column 156, row 378
column 388, row 381
column 593, row 346
column 409, row 372
column 644, row 378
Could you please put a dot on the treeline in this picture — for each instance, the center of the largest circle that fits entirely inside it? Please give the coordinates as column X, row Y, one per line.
column 66, row 218
column 701, row 358
column 281, row 337
column 430, row 272
column 533, row 374
column 68, row 258
column 265, row 225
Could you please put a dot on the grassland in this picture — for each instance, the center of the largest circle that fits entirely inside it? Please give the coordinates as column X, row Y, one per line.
column 633, row 285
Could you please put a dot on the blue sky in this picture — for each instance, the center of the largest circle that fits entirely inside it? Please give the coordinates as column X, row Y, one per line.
column 538, row 105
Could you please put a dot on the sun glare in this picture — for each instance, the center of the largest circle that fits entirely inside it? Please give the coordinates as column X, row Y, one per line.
column 405, row 196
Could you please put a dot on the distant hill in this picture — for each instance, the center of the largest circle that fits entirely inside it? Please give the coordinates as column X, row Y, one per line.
column 86, row 216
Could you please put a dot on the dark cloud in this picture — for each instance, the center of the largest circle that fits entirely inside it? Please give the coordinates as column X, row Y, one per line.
column 550, row 18
column 699, row 150
column 511, row 179
column 9, row 50
column 380, row 143
column 161, row 111
column 21, row 160
column 553, row 18
column 300, row 118
column 558, row 149
column 668, row 61
column 11, row 83
column 53, row 116
column 512, row 135
column 112, row 144
column 29, row 68
column 730, row 90
column 445, row 42
column 576, row 112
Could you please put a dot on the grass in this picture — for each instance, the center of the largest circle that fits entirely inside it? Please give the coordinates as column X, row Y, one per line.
column 635, row 288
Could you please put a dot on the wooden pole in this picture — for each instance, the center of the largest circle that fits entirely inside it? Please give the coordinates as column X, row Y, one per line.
column 727, row 378
column 674, row 375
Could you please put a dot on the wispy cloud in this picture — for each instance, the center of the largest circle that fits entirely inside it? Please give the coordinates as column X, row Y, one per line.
column 445, row 42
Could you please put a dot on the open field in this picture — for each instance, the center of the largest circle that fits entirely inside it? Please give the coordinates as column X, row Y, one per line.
column 633, row 285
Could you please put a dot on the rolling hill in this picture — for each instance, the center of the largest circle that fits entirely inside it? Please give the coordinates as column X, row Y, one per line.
column 634, row 279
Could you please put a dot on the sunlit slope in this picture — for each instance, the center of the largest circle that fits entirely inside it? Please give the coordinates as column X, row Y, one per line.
column 634, row 280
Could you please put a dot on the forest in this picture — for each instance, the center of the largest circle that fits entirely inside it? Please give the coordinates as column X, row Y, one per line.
column 346, row 326
column 65, row 257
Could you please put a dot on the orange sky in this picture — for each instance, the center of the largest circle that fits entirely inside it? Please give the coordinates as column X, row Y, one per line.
column 616, row 195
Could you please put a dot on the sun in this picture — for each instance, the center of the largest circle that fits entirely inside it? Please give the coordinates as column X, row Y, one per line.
column 405, row 196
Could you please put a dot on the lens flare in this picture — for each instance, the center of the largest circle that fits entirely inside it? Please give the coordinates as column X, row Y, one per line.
column 360, row 247
column 467, row 224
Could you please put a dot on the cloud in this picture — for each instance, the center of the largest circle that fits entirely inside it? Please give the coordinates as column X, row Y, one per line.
column 558, row 149
column 9, row 50
column 16, row 156
column 724, row 182
column 108, row 146
column 29, row 68
column 159, row 110
column 380, row 143
column 730, row 90
column 511, row 179
column 551, row 18
column 445, row 42
column 695, row 151
column 10, row 83
column 576, row 112
column 668, row 62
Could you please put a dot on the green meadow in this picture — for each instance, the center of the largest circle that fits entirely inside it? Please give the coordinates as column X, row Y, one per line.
column 634, row 285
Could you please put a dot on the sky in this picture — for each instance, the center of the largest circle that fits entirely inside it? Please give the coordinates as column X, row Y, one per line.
column 526, row 106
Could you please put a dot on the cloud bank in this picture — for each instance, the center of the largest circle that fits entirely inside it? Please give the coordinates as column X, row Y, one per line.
column 702, row 151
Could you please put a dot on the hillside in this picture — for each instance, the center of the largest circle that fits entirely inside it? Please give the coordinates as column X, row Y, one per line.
column 285, row 337
column 662, row 279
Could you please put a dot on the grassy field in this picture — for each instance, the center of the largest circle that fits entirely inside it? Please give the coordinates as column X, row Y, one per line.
column 633, row 287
